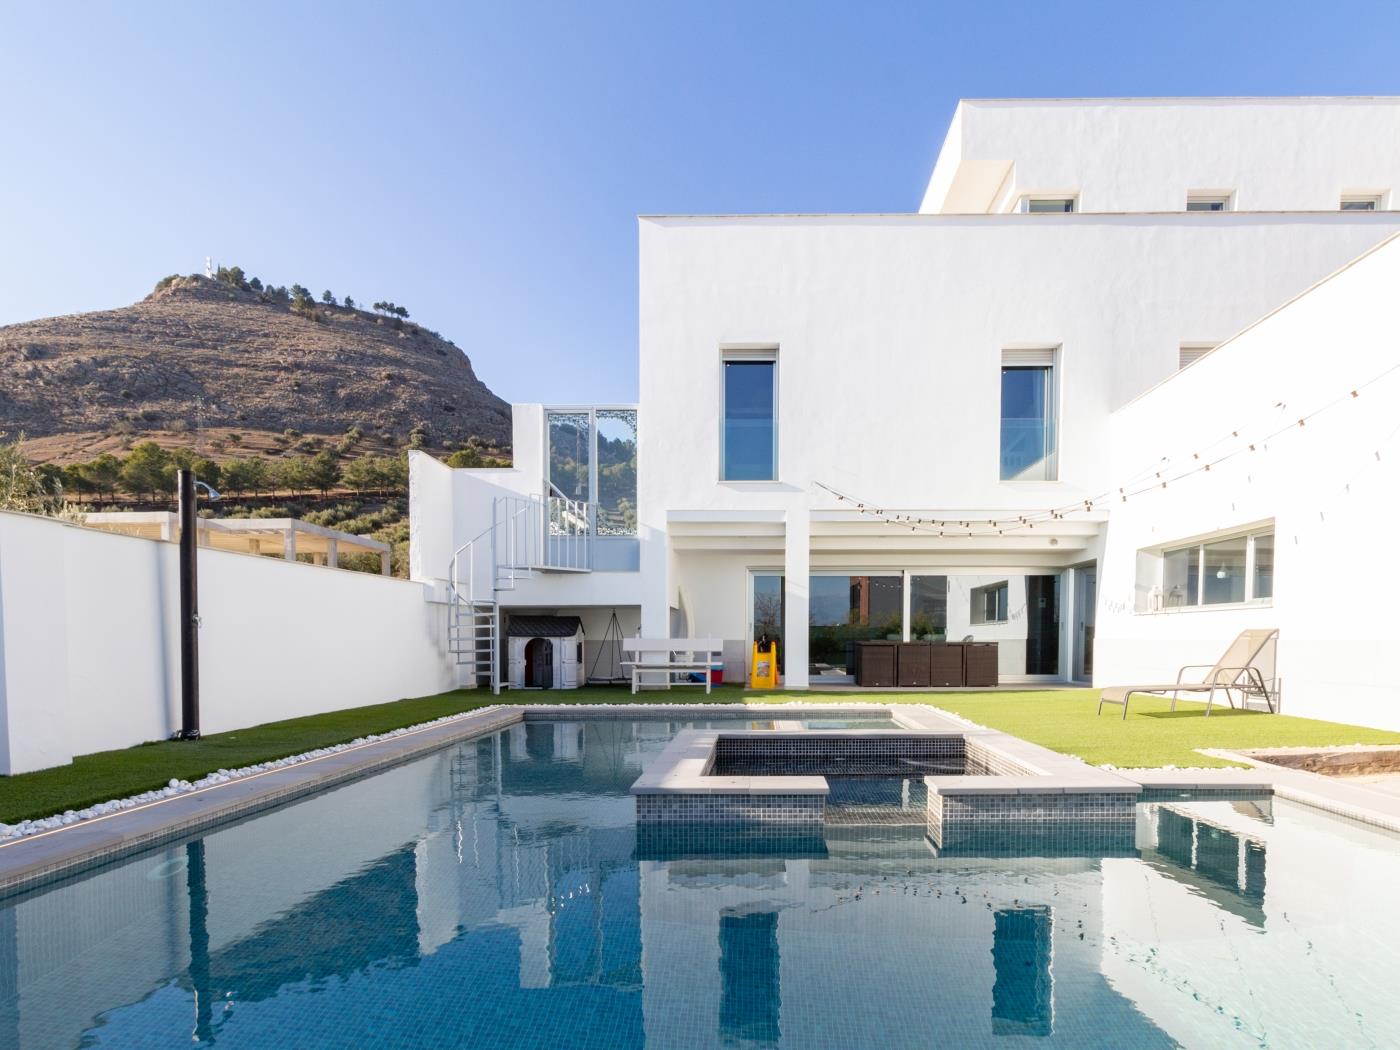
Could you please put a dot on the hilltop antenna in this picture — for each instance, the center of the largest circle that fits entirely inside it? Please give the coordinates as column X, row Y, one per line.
column 209, row 267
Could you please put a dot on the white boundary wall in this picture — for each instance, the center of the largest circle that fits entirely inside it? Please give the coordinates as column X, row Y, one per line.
column 1332, row 489
column 90, row 651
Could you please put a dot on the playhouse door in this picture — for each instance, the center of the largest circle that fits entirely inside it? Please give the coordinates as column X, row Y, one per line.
column 539, row 664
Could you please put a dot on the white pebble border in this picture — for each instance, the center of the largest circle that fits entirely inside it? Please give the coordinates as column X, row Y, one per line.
column 225, row 776
column 221, row 776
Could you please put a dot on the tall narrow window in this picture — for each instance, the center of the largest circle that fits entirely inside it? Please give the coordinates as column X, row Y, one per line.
column 570, row 455
column 749, row 434
column 617, row 471
column 1028, row 439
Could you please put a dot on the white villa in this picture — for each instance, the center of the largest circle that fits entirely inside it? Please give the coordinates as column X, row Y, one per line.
column 1124, row 385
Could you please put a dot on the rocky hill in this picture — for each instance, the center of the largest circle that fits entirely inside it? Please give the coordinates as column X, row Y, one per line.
column 201, row 356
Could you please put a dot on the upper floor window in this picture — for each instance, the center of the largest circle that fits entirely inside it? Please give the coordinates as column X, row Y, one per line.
column 749, row 431
column 1028, row 416
column 1048, row 205
column 593, row 460
column 1208, row 202
column 1225, row 571
column 1361, row 202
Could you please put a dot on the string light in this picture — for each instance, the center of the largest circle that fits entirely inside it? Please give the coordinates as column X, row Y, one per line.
column 1199, row 464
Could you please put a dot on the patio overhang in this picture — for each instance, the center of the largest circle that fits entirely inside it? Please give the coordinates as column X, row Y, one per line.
column 845, row 535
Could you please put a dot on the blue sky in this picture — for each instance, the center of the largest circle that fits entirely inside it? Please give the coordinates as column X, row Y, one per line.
column 484, row 164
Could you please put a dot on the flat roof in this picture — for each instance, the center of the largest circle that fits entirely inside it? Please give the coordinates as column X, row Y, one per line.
column 1147, row 100
column 1204, row 218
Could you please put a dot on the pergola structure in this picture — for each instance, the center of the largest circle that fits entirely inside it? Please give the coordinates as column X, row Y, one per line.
column 269, row 537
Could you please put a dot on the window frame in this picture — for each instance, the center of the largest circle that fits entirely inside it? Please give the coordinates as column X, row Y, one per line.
column 1224, row 198
column 1051, row 361
column 747, row 354
column 1251, row 536
column 593, row 500
column 1000, row 592
column 1024, row 204
column 1375, row 200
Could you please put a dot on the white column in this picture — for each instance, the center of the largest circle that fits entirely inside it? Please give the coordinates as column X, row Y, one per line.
column 656, row 584
column 332, row 553
column 797, row 569
column 289, row 544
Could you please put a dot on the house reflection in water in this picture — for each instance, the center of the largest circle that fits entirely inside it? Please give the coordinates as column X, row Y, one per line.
column 1022, row 994
column 1220, row 855
column 751, row 986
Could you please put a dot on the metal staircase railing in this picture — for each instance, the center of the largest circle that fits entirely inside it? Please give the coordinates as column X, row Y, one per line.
column 527, row 535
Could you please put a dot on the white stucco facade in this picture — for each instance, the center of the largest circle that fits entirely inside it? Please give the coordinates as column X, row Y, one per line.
column 1150, row 154
column 887, row 337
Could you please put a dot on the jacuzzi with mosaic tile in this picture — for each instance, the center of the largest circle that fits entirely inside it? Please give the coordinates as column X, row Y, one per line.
column 972, row 779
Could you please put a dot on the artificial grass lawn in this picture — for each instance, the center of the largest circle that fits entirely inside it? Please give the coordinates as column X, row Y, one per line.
column 109, row 775
column 1060, row 719
column 1064, row 720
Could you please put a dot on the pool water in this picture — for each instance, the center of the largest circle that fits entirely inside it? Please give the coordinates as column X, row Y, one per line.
column 493, row 894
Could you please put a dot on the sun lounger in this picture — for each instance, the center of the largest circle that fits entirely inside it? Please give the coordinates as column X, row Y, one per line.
column 1246, row 667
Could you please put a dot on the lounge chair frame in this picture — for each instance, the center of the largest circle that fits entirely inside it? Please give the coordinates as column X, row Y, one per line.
column 1245, row 678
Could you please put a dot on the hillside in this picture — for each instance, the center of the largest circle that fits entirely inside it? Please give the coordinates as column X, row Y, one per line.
column 209, row 359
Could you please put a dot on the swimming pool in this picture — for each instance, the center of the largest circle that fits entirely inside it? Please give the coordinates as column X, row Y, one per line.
column 494, row 894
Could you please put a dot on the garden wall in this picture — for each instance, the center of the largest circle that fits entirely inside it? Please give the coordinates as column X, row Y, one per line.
column 90, row 652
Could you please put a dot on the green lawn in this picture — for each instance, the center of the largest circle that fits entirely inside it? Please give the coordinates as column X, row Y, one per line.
column 1060, row 719
column 118, row 774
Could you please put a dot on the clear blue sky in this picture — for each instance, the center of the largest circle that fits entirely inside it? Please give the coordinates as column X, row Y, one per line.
column 483, row 164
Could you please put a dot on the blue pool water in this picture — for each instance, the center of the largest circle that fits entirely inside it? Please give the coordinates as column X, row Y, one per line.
column 493, row 895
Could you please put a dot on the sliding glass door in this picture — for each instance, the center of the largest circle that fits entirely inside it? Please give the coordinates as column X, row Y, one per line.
column 768, row 612
column 844, row 610
column 1020, row 613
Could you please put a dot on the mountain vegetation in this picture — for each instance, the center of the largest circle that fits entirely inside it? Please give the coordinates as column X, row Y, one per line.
column 239, row 361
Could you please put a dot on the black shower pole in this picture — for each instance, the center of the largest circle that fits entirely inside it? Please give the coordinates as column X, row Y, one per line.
column 189, row 607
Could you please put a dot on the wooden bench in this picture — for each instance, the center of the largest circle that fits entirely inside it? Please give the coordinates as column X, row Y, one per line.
column 669, row 657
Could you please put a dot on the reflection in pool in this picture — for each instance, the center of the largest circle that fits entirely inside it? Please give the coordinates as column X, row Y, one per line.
column 493, row 894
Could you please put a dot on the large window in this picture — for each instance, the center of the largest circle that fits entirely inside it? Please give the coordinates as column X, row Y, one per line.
column 844, row 610
column 1226, row 571
column 1028, row 438
column 593, row 459
column 749, row 433
column 1020, row 614
column 928, row 608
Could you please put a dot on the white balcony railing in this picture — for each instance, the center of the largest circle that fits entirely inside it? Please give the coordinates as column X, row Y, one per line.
column 550, row 533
